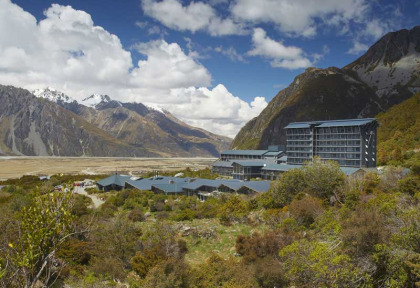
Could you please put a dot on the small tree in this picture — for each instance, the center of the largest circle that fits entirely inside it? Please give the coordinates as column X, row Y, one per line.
column 41, row 228
column 290, row 184
column 323, row 180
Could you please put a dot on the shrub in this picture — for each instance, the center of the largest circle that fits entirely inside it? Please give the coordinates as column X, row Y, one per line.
column 136, row 215
column 108, row 266
column 409, row 185
column 255, row 246
column 184, row 215
column 234, row 210
column 306, row 210
column 269, row 273
column 363, row 230
column 317, row 264
column 75, row 251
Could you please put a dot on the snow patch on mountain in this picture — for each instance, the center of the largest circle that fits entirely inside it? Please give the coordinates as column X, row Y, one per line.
column 52, row 95
column 95, row 99
column 385, row 77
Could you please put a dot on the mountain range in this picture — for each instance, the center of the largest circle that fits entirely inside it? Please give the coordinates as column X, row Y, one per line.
column 46, row 122
column 387, row 74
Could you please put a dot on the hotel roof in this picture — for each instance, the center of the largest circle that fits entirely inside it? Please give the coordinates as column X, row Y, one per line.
column 331, row 123
column 245, row 152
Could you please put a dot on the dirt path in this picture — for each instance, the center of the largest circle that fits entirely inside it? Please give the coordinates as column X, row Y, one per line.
column 96, row 201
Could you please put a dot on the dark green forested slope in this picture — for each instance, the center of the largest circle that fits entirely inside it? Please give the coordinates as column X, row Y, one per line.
column 399, row 132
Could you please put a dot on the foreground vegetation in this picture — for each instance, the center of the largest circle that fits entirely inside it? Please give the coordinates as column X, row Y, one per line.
column 399, row 133
column 314, row 228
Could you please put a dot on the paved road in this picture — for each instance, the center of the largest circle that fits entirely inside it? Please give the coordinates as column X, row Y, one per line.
column 96, row 201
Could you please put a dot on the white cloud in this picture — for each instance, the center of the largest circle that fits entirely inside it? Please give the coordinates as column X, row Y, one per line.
column 299, row 16
column 194, row 17
column 167, row 66
column 63, row 48
column 373, row 30
column 68, row 52
column 289, row 57
column 216, row 109
column 357, row 48
column 231, row 53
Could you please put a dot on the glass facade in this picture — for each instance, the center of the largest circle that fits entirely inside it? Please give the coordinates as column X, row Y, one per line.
column 349, row 145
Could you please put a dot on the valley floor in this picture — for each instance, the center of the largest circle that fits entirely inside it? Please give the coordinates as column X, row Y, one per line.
column 15, row 167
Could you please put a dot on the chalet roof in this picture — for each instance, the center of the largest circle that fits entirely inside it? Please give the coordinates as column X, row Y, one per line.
column 226, row 164
column 177, row 185
column 115, row 179
column 197, row 183
column 258, row 186
column 350, row 170
column 147, row 183
column 283, row 158
column 170, row 188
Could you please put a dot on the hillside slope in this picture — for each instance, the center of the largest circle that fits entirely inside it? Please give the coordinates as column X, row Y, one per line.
column 38, row 127
column 387, row 74
column 399, row 131
column 110, row 128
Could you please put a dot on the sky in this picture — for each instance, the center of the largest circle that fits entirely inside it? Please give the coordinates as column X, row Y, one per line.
column 214, row 64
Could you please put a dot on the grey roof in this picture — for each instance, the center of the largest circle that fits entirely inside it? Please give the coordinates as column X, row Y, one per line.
column 115, row 179
column 197, row 183
column 147, row 183
column 287, row 167
column 350, row 170
column 298, row 125
column 233, row 185
column 331, row 123
column 272, row 153
column 227, row 164
column 176, row 185
column 245, row 152
column 349, row 122
column 170, row 188
column 258, row 186
column 250, row 163
column 283, row 158
column 280, row 167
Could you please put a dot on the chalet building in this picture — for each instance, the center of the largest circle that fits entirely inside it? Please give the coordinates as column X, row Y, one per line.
column 225, row 165
column 273, row 152
column 247, row 169
column 222, row 168
column 203, row 188
column 352, row 143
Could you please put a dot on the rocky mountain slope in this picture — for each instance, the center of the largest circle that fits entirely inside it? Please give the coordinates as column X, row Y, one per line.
column 387, row 74
column 52, row 123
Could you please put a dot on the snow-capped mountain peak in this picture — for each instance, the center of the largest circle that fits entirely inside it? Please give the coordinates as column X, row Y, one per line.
column 95, row 99
column 52, row 95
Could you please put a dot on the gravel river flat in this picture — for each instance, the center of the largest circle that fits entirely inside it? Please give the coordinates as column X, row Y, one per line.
column 15, row 167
